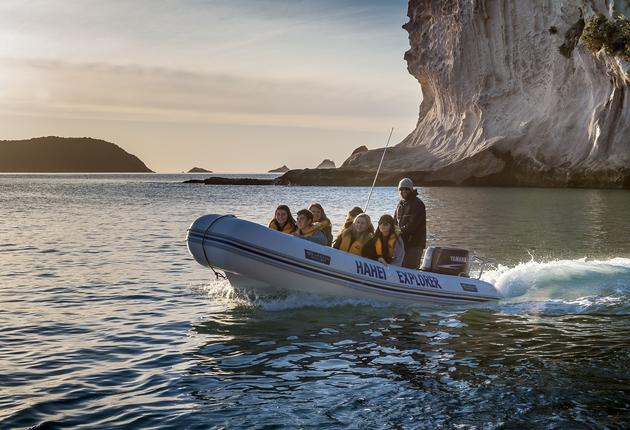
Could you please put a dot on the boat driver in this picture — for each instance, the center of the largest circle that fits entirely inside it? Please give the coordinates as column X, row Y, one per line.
column 411, row 217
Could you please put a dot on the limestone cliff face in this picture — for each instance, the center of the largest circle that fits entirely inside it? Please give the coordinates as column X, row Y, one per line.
column 506, row 83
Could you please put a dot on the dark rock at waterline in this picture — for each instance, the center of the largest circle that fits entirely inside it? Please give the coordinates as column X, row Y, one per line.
column 328, row 177
column 499, row 169
column 217, row 180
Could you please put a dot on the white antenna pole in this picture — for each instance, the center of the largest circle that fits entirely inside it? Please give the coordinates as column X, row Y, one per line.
column 378, row 170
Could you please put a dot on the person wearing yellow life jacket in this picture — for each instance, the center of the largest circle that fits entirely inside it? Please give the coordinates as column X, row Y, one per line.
column 283, row 220
column 352, row 213
column 306, row 229
column 321, row 221
column 386, row 246
column 355, row 237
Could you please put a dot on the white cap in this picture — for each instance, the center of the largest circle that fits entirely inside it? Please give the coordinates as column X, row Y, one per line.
column 405, row 183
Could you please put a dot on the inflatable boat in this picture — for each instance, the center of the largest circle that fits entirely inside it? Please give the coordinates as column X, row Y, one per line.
column 263, row 260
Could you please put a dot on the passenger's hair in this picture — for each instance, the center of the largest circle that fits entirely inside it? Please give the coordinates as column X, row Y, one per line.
column 352, row 214
column 370, row 228
column 388, row 219
column 355, row 211
column 285, row 208
column 318, row 206
column 308, row 214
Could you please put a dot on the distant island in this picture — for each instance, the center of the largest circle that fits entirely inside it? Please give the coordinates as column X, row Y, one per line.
column 282, row 169
column 54, row 154
column 326, row 164
column 199, row 170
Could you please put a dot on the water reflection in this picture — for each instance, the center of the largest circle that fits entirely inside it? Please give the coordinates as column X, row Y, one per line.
column 106, row 321
column 466, row 365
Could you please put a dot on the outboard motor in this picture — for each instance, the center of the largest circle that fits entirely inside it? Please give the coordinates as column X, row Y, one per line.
column 446, row 260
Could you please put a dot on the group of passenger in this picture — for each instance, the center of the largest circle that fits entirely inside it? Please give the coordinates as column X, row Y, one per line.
column 399, row 239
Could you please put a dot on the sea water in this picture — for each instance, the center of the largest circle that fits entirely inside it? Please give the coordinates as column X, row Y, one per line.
column 106, row 321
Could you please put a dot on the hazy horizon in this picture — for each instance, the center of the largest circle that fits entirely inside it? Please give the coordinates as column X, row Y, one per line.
column 231, row 86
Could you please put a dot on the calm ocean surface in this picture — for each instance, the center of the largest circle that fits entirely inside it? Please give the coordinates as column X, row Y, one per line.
column 106, row 321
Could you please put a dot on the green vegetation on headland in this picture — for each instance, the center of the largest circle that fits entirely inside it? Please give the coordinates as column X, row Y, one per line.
column 54, row 154
column 611, row 35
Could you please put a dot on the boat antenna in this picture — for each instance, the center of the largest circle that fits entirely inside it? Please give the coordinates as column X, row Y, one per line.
column 378, row 170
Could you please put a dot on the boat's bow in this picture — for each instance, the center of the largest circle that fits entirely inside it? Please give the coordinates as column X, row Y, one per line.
column 197, row 235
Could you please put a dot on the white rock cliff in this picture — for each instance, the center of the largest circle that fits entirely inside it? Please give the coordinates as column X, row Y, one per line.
column 499, row 95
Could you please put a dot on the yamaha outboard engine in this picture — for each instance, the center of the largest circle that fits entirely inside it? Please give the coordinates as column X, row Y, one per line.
column 446, row 260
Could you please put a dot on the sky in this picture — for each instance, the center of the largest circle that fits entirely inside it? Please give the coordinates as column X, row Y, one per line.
column 227, row 85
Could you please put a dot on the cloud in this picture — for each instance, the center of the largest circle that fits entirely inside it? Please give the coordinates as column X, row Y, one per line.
column 131, row 92
column 299, row 37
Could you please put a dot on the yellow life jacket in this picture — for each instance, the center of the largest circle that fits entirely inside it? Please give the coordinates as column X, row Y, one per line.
column 322, row 224
column 308, row 232
column 326, row 228
column 391, row 243
column 344, row 227
column 353, row 247
column 288, row 228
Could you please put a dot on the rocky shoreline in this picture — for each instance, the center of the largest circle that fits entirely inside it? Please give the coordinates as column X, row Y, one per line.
column 501, row 170
column 562, row 179
column 217, row 180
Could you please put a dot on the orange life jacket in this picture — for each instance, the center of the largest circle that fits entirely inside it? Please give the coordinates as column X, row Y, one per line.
column 288, row 228
column 308, row 232
column 344, row 227
column 391, row 243
column 353, row 247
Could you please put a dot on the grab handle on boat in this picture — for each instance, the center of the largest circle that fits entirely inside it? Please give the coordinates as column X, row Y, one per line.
column 217, row 274
column 482, row 262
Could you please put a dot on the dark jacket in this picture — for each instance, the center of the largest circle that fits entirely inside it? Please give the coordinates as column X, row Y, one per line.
column 411, row 217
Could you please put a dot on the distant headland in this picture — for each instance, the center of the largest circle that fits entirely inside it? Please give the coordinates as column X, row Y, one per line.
column 53, row 154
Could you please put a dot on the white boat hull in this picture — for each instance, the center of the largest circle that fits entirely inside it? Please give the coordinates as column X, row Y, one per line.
column 263, row 260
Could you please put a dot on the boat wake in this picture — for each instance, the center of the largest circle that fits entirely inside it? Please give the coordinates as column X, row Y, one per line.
column 566, row 286
column 223, row 292
column 579, row 286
